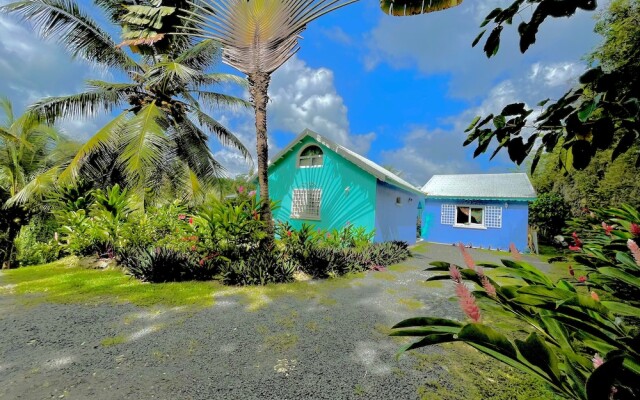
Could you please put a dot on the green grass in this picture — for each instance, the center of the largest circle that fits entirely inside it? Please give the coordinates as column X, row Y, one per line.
column 67, row 281
column 385, row 276
column 411, row 304
column 112, row 341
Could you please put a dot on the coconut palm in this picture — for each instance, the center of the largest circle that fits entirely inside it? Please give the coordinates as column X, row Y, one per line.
column 161, row 131
column 257, row 37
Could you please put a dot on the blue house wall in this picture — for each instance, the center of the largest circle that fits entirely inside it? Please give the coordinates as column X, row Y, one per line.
column 395, row 220
column 515, row 219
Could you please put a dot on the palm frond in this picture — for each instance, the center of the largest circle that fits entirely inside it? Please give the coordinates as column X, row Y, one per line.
column 225, row 136
column 222, row 79
column 102, row 98
column 257, row 36
column 8, row 136
column 7, row 108
column 75, row 29
column 220, row 99
column 413, row 7
column 106, row 138
column 192, row 148
column 168, row 75
column 144, row 143
column 202, row 55
column 41, row 184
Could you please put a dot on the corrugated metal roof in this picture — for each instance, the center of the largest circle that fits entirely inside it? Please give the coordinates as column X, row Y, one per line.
column 481, row 186
column 367, row 165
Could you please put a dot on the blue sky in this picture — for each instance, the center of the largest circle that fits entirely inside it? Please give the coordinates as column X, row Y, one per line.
column 397, row 90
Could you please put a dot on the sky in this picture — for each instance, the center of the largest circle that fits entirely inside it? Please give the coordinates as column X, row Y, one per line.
column 399, row 91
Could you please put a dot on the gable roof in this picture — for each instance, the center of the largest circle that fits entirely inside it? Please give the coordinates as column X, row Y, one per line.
column 481, row 187
column 363, row 163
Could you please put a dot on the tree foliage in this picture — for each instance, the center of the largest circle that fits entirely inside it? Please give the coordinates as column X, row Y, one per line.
column 600, row 113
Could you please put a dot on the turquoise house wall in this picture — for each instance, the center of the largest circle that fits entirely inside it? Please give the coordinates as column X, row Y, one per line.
column 393, row 221
column 338, row 206
column 515, row 219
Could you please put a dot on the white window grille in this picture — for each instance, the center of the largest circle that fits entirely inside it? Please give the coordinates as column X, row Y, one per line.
column 306, row 203
column 493, row 216
column 447, row 214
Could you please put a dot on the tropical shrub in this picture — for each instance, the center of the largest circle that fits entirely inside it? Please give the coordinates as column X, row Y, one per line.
column 158, row 264
column 32, row 251
column 259, row 266
column 549, row 213
column 387, row 253
column 581, row 346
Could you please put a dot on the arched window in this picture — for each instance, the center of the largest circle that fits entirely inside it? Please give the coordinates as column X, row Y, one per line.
column 311, row 156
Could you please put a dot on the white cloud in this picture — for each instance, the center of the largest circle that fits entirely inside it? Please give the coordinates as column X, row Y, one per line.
column 426, row 152
column 441, row 43
column 304, row 97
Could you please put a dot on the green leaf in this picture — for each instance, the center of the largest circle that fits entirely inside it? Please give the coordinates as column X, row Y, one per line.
column 493, row 42
column 622, row 308
column 487, row 337
column 426, row 321
column 621, row 275
column 587, row 109
column 499, row 121
column 477, row 39
column 536, row 352
column 427, row 341
column 472, row 124
column 543, row 102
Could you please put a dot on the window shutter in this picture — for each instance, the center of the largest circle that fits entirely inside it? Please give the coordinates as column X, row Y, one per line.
column 493, row 216
column 447, row 214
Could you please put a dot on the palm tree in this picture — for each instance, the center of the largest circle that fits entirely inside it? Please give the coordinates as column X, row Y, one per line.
column 257, row 37
column 161, row 132
column 28, row 148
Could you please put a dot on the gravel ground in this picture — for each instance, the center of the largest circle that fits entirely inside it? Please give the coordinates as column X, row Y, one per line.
column 329, row 347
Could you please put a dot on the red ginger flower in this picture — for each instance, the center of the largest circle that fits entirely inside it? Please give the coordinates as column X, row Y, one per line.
column 597, row 360
column 514, row 252
column 582, row 279
column 575, row 248
column 635, row 229
column 607, row 228
column 635, row 250
column 289, row 233
column 467, row 257
column 190, row 220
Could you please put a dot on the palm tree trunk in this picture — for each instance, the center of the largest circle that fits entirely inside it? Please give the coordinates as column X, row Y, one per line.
column 258, row 86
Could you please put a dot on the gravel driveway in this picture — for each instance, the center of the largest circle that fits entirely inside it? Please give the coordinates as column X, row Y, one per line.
column 333, row 346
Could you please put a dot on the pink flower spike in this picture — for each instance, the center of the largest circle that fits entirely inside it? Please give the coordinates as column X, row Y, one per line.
column 455, row 274
column 252, row 193
column 471, row 264
column 468, row 302
column 582, row 279
column 635, row 250
column 514, row 252
column 595, row 296
column 240, row 189
column 489, row 288
column 182, row 217
column 635, row 229
column 597, row 360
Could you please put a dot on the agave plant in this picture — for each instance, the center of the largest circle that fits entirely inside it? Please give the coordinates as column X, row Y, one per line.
column 162, row 131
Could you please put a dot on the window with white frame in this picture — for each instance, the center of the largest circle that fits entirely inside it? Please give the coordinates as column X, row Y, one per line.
column 310, row 157
column 472, row 216
column 306, row 203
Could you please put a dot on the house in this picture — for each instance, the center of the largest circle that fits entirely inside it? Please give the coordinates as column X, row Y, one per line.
column 481, row 210
column 319, row 182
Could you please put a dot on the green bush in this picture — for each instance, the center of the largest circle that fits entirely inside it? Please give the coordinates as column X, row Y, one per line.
column 387, row 253
column 160, row 264
column 258, row 267
column 31, row 251
column 549, row 213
